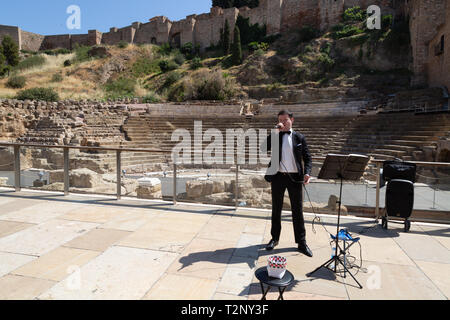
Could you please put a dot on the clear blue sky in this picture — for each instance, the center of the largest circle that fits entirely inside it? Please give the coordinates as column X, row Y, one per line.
column 48, row 17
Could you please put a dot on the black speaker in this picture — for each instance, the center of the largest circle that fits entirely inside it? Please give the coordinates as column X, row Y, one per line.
column 399, row 198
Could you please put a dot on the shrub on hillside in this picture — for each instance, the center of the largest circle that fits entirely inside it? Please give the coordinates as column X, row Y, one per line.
column 56, row 52
column 151, row 98
column 31, row 62
column 122, row 44
column 81, row 53
column 165, row 49
column 354, row 14
column 42, row 94
column 196, row 63
column 166, row 65
column 122, row 87
column 308, row 33
column 204, row 85
column 179, row 58
column 57, row 77
column 340, row 31
column 171, row 79
column 255, row 45
column 16, row 82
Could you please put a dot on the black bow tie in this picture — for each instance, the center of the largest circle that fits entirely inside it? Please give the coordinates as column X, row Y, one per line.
column 282, row 133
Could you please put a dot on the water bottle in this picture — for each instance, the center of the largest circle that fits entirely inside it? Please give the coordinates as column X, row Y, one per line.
column 333, row 253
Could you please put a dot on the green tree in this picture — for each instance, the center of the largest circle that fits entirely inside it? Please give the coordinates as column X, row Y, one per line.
column 4, row 69
column 226, row 38
column 237, row 47
column 10, row 51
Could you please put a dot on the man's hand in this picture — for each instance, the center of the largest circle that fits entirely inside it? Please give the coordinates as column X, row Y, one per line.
column 280, row 127
column 307, row 179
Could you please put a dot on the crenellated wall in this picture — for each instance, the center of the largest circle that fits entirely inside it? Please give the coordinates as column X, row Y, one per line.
column 203, row 29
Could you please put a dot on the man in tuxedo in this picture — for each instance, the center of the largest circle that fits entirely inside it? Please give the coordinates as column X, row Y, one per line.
column 290, row 175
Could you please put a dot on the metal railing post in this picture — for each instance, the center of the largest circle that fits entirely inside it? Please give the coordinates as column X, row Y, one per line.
column 17, row 168
column 66, row 172
column 377, row 204
column 119, row 174
column 236, row 186
column 174, row 180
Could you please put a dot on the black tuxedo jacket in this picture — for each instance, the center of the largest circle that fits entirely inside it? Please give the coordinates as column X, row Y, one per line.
column 301, row 154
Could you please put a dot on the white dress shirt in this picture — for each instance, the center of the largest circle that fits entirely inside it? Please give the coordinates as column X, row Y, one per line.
column 287, row 162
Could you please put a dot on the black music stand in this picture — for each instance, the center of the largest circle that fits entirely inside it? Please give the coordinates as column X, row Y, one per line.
column 343, row 167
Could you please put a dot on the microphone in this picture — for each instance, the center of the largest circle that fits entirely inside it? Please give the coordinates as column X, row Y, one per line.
column 278, row 126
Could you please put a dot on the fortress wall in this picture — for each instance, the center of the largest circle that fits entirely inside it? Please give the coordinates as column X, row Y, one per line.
column 56, row 41
column 273, row 16
column 330, row 12
column 439, row 64
column 187, row 33
column 257, row 15
column 31, row 41
column 207, row 26
column 114, row 36
column 94, row 37
column 146, row 33
column 425, row 19
column 80, row 39
column 13, row 32
column 163, row 27
column 296, row 14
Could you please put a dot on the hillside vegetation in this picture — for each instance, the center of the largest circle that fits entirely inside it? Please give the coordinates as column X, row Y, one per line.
column 349, row 57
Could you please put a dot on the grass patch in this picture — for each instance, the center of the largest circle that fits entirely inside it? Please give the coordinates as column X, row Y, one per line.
column 30, row 62
column 144, row 67
column 120, row 88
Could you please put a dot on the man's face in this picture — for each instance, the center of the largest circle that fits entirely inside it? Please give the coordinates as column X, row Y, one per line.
column 286, row 121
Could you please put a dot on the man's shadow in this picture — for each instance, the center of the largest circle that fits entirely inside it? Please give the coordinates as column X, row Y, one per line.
column 248, row 255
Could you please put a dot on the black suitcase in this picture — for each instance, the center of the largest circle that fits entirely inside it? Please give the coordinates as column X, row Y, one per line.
column 400, row 177
column 399, row 170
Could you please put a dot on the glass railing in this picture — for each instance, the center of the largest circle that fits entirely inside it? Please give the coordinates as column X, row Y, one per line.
column 152, row 174
column 7, row 173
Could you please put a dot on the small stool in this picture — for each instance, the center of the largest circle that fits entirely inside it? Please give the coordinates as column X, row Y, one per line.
column 263, row 276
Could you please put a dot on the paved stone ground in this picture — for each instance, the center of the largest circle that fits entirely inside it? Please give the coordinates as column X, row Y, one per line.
column 87, row 247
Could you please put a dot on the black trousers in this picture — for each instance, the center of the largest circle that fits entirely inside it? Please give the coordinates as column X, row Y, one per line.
column 293, row 184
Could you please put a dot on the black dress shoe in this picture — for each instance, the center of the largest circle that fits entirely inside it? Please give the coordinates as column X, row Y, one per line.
column 272, row 244
column 303, row 248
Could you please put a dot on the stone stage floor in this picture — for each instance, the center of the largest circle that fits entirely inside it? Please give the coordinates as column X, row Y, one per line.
column 92, row 247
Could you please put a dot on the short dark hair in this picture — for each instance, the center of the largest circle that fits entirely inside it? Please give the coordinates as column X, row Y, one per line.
column 285, row 112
